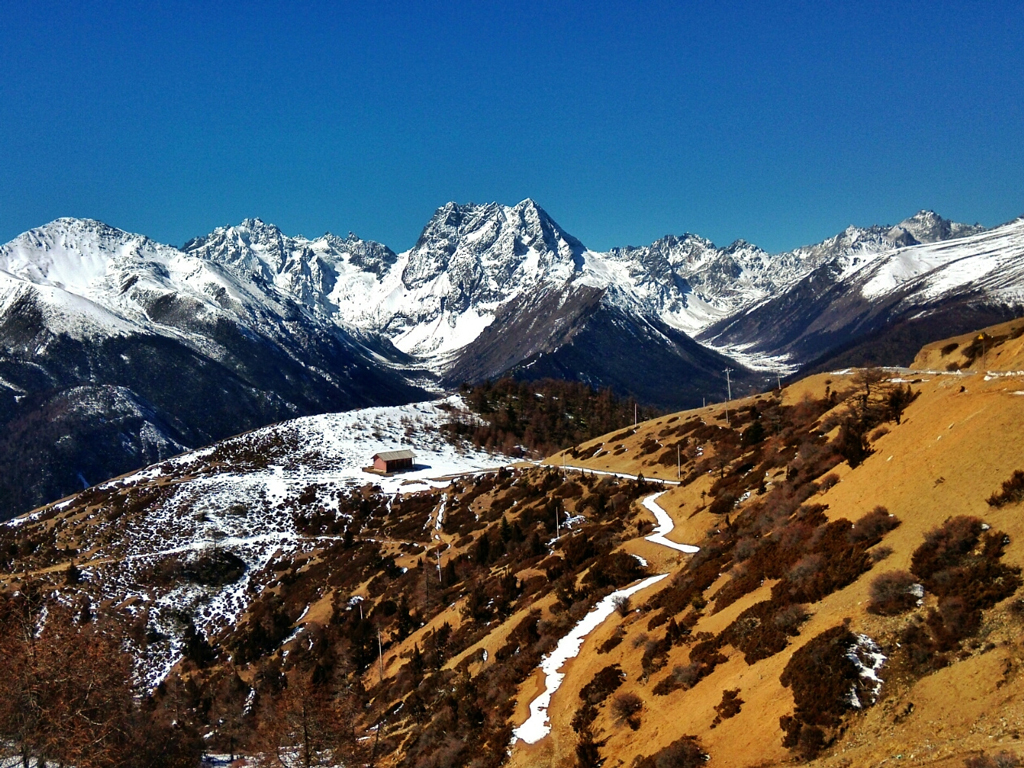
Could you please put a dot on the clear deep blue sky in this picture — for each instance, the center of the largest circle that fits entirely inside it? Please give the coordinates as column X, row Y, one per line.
column 780, row 123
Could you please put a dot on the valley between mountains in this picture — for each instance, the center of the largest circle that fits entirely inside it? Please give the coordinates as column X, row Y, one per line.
column 853, row 598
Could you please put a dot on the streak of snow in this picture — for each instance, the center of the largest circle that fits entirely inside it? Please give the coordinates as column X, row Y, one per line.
column 664, row 526
column 537, row 726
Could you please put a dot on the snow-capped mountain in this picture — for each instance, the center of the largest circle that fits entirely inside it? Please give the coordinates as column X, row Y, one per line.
column 892, row 297
column 476, row 264
column 116, row 351
column 246, row 325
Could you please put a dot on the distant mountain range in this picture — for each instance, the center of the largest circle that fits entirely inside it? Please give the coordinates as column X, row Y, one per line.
column 117, row 351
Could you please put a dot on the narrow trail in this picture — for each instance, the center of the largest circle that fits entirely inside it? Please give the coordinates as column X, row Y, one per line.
column 609, row 473
column 538, row 725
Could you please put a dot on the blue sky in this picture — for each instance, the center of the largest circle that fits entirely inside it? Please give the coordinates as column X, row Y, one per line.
column 779, row 123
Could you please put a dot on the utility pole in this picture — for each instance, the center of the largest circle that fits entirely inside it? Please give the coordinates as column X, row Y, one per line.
column 678, row 463
column 728, row 385
column 634, row 414
column 778, row 378
column 438, row 553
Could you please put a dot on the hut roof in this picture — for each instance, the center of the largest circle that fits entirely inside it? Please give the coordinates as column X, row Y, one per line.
column 405, row 453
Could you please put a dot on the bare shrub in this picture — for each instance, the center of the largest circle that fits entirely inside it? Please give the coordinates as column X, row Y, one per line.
column 791, row 617
column 999, row 760
column 640, row 639
column 873, row 526
column 828, row 481
column 729, row 706
column 622, row 605
column 683, row 753
column 1012, row 493
column 879, row 433
column 682, row 677
column 894, row 593
column 602, row 685
column 878, row 554
column 626, row 707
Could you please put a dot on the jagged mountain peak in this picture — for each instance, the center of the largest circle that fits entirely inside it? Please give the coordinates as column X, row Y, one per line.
column 454, row 221
column 926, row 226
column 486, row 246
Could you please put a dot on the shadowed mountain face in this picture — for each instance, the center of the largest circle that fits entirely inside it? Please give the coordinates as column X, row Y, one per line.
column 883, row 310
column 129, row 350
column 586, row 338
column 139, row 364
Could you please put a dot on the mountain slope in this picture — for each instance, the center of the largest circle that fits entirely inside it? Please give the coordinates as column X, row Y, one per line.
column 954, row 285
column 200, row 355
column 421, row 619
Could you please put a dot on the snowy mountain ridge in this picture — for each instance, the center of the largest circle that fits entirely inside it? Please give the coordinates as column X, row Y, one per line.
column 435, row 299
column 471, row 260
column 246, row 326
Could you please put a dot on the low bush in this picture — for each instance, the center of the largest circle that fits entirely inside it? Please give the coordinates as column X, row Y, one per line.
column 873, row 526
column 729, row 706
column 960, row 562
column 999, row 760
column 894, row 593
column 1012, row 492
column 682, row 753
column 825, row 682
column 602, row 685
column 626, row 707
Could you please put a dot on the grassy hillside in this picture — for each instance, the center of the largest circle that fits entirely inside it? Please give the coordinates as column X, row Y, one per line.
column 855, row 597
column 956, row 444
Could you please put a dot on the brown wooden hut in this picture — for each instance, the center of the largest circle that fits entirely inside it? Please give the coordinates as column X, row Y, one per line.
column 393, row 461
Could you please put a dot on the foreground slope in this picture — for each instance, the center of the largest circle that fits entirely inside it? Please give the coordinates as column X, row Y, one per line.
column 777, row 641
column 956, row 444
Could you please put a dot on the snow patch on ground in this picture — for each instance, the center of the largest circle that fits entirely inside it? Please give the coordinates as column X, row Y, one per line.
column 868, row 658
column 538, row 726
column 231, row 497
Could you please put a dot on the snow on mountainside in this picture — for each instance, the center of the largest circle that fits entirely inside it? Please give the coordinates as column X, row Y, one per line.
column 131, row 278
column 871, row 288
column 988, row 261
column 431, row 301
column 474, row 262
column 230, row 497
column 199, row 349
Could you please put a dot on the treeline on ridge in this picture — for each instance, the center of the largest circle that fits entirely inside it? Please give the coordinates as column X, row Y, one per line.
column 538, row 418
